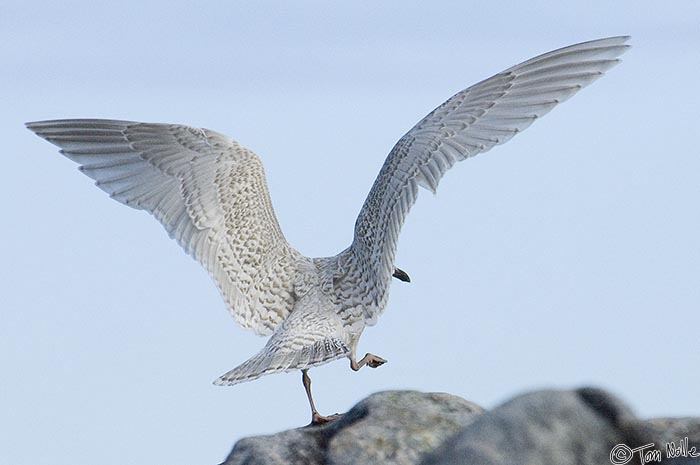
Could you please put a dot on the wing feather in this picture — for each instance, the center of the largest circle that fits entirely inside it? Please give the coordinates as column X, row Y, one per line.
column 470, row 122
column 209, row 193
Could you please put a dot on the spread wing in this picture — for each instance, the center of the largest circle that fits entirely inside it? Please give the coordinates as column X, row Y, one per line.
column 209, row 193
column 471, row 122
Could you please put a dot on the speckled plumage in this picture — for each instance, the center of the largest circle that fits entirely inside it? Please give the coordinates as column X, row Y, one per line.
column 211, row 195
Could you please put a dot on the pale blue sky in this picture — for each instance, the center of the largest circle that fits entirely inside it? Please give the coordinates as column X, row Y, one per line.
column 567, row 257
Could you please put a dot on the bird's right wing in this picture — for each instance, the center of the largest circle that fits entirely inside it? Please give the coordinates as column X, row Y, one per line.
column 209, row 193
column 471, row 122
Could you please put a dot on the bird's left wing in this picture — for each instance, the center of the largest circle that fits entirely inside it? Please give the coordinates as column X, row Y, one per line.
column 210, row 194
column 471, row 122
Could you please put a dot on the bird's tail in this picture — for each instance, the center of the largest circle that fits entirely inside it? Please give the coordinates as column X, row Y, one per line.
column 275, row 360
column 312, row 335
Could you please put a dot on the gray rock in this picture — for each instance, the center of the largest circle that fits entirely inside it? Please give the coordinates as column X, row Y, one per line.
column 663, row 431
column 392, row 428
column 579, row 427
column 398, row 427
column 297, row 446
column 541, row 428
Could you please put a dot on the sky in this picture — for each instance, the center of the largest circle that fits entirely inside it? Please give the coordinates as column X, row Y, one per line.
column 567, row 257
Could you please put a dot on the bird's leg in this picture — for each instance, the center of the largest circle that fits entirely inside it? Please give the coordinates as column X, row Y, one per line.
column 371, row 360
column 316, row 418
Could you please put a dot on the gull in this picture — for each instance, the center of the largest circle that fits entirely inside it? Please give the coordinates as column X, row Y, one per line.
column 211, row 195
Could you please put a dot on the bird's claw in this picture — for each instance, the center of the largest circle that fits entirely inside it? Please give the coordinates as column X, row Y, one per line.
column 374, row 361
column 318, row 419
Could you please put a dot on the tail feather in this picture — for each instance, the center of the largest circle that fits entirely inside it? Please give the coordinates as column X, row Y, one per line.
column 312, row 335
column 273, row 359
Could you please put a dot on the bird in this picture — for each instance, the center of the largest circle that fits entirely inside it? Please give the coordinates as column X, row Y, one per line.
column 211, row 195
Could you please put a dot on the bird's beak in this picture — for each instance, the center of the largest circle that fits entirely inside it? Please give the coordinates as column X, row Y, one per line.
column 401, row 275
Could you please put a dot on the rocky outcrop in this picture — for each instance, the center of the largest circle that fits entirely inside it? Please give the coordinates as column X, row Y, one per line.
column 393, row 427
column 578, row 427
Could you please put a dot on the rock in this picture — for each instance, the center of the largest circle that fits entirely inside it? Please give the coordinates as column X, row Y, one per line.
column 541, row 428
column 663, row 431
column 296, row 446
column 393, row 427
column 580, row 427
column 398, row 427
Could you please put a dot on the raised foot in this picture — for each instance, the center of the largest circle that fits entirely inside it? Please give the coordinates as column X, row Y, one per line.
column 371, row 360
column 374, row 361
column 318, row 419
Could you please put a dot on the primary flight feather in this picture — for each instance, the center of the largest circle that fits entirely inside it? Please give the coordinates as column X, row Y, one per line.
column 210, row 194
